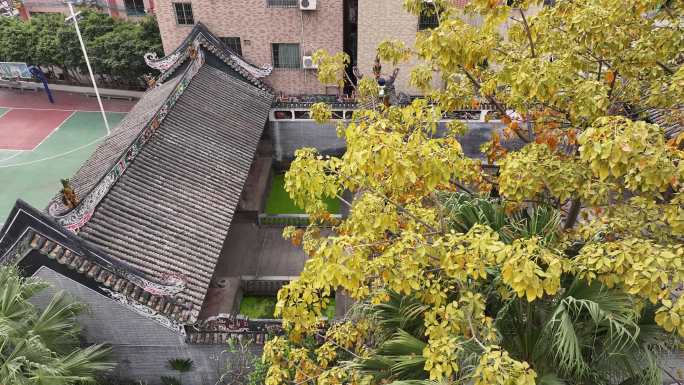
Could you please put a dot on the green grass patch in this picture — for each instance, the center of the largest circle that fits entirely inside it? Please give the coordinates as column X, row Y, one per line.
column 329, row 311
column 254, row 306
column 262, row 307
column 279, row 201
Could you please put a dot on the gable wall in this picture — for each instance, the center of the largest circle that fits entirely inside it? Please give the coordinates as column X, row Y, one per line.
column 141, row 345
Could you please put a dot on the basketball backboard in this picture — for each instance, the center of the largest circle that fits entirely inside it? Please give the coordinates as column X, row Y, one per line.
column 13, row 70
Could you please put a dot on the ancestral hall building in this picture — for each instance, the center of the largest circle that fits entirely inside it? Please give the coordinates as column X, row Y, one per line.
column 170, row 230
column 156, row 201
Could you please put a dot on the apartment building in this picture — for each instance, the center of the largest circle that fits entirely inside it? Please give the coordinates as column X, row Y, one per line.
column 375, row 25
column 281, row 34
column 121, row 9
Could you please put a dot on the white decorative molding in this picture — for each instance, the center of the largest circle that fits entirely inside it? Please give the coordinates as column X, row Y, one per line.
column 165, row 63
column 257, row 72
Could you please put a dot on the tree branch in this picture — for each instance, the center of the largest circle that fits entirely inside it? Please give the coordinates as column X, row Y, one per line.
column 399, row 207
column 493, row 101
column 612, row 84
column 527, row 30
column 665, row 68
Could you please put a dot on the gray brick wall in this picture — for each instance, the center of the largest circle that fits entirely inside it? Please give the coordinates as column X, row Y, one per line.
column 140, row 345
column 289, row 136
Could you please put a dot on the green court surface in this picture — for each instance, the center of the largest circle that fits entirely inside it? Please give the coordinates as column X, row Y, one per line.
column 3, row 110
column 34, row 176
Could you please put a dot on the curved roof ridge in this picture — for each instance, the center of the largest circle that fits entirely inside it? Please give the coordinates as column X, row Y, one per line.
column 168, row 64
column 74, row 218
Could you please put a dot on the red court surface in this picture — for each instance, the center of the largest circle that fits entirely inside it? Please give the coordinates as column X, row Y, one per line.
column 63, row 101
column 16, row 134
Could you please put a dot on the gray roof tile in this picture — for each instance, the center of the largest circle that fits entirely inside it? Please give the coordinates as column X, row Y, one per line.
column 171, row 210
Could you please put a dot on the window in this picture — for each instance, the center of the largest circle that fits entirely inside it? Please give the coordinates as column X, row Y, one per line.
column 282, row 3
column 134, row 7
column 286, row 56
column 428, row 18
column 184, row 13
column 233, row 43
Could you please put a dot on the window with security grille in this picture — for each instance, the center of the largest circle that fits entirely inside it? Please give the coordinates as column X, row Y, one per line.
column 429, row 19
column 233, row 43
column 286, row 55
column 282, row 3
column 134, row 7
column 184, row 13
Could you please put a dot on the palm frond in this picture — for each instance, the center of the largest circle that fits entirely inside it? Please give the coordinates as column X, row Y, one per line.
column 87, row 362
column 399, row 312
column 56, row 326
column 465, row 211
column 538, row 221
column 590, row 321
column 181, row 364
column 398, row 358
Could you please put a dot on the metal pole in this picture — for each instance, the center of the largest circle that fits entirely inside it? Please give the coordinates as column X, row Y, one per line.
column 90, row 70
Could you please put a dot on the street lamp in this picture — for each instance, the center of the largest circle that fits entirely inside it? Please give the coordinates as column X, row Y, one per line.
column 74, row 18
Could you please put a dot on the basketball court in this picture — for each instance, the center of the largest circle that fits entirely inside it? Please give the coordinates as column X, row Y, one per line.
column 41, row 143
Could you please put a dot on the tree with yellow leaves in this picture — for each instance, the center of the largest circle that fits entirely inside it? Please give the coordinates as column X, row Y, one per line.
column 558, row 263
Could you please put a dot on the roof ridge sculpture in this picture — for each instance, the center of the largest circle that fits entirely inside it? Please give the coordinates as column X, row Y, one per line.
column 168, row 64
column 77, row 217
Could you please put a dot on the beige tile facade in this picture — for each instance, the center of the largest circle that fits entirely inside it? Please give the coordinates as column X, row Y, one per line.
column 114, row 8
column 386, row 19
column 381, row 20
column 258, row 26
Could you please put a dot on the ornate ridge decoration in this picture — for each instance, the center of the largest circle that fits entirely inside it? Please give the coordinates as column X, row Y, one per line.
column 224, row 327
column 168, row 64
column 147, row 312
column 74, row 219
column 156, row 300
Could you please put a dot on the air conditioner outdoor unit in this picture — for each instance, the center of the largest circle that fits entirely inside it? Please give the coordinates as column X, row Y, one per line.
column 307, row 5
column 308, row 63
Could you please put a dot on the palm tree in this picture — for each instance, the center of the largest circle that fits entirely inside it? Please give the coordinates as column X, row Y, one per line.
column 42, row 347
column 586, row 334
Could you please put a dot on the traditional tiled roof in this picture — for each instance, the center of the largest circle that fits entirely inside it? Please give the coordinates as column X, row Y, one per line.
column 158, row 195
column 673, row 126
column 170, row 212
column 31, row 231
column 109, row 151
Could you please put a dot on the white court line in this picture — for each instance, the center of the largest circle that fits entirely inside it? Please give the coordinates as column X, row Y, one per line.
column 57, row 109
column 18, row 152
column 53, row 131
column 53, row 156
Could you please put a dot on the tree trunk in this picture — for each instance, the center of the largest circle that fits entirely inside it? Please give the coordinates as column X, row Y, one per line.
column 573, row 213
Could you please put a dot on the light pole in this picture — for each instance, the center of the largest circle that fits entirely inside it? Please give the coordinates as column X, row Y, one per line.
column 85, row 55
